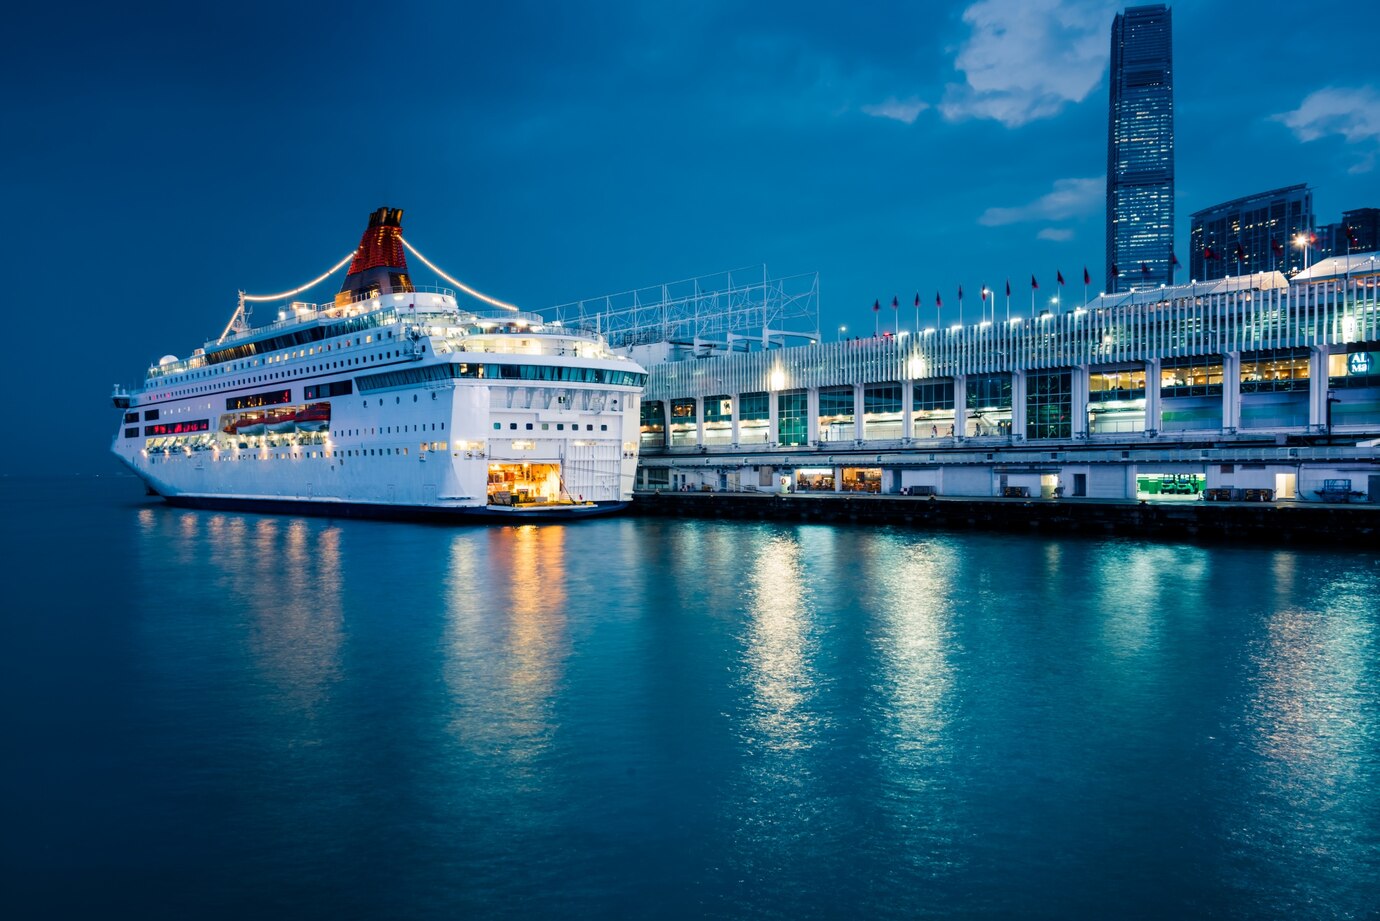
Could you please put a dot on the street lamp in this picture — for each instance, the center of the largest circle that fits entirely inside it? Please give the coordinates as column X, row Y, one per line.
column 842, row 330
column 1301, row 241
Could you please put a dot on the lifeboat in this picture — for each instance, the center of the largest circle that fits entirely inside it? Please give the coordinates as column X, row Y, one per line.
column 314, row 418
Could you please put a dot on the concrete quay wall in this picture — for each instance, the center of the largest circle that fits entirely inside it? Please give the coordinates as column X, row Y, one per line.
column 1254, row 522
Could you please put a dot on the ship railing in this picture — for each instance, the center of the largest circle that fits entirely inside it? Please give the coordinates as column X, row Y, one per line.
column 534, row 346
column 302, row 312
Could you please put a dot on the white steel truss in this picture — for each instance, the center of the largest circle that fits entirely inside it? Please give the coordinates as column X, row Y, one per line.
column 726, row 311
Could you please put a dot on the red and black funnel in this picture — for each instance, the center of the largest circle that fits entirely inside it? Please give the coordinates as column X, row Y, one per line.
column 380, row 265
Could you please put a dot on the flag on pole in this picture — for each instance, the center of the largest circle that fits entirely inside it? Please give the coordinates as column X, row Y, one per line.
column 1173, row 259
column 1145, row 270
column 1059, row 277
column 1008, row 287
column 876, row 306
column 960, row 292
column 895, row 304
column 1276, row 247
column 1087, row 279
column 1116, row 272
column 1033, row 283
column 917, row 298
column 937, row 302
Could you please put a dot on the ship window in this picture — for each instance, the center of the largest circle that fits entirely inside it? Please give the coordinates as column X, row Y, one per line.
column 545, row 426
column 132, row 417
column 560, row 426
column 498, row 425
column 603, row 428
column 529, row 426
column 512, row 425
column 150, row 415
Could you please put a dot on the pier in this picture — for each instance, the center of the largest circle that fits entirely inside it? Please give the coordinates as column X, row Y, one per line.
column 1255, row 522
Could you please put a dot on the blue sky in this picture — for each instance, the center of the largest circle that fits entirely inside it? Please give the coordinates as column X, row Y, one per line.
column 159, row 157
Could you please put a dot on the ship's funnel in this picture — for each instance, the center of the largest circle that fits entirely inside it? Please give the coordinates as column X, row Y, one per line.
column 379, row 266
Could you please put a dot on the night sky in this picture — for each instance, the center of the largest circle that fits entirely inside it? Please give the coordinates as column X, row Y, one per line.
column 159, row 157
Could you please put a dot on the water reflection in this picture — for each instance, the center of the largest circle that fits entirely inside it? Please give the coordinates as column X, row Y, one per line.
column 506, row 639
column 914, row 643
column 1310, row 718
column 777, row 657
column 279, row 578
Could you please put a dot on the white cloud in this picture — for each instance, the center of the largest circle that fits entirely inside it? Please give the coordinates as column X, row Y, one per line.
column 1352, row 112
column 1027, row 59
column 1059, row 234
column 900, row 110
column 1069, row 198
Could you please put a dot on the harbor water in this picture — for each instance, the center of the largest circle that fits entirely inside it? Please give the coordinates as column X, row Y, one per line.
column 220, row 715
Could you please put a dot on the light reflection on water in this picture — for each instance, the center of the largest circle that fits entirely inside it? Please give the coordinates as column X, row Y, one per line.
column 804, row 720
column 506, row 640
column 777, row 656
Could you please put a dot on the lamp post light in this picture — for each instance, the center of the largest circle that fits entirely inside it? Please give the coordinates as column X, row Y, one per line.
column 842, row 330
column 1301, row 241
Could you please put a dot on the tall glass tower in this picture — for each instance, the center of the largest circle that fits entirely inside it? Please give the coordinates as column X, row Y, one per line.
column 1140, row 150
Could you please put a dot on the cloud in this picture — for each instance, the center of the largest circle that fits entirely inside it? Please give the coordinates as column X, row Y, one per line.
column 1059, row 234
column 1069, row 198
column 1027, row 59
column 1352, row 112
column 902, row 111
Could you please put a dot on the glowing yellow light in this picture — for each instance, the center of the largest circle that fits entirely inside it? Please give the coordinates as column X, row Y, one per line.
column 459, row 284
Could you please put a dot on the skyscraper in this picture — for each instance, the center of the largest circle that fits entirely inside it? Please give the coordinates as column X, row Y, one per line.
column 1140, row 150
column 1256, row 233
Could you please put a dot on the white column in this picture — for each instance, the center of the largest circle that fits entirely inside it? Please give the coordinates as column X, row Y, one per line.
column 773, row 417
column 857, row 412
column 733, row 418
column 1018, row 405
column 1317, row 387
column 1152, row 395
column 1079, row 403
column 1231, row 390
column 812, row 415
column 699, row 421
column 907, row 409
column 960, row 404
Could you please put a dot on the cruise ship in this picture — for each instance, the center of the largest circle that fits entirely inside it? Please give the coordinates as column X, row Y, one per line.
column 389, row 401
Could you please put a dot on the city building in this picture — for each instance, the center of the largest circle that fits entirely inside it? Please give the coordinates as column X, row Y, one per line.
column 1140, row 150
column 1254, row 233
column 1357, row 231
column 1259, row 386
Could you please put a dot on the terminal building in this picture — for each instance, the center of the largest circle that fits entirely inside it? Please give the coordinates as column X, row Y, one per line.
column 1261, row 386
